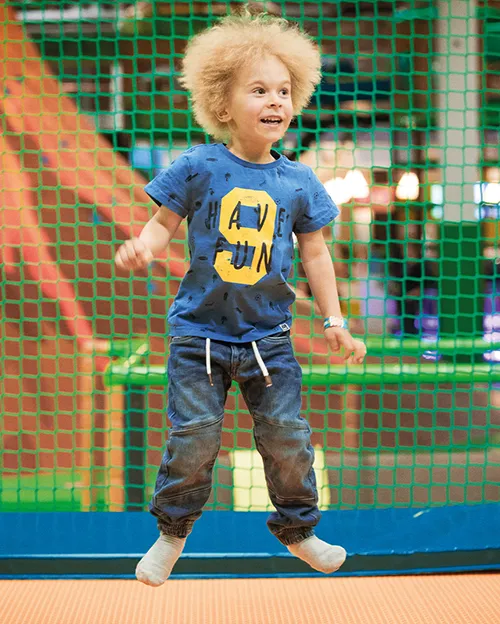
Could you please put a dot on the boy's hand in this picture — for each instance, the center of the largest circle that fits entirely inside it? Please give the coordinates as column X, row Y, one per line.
column 354, row 350
column 132, row 255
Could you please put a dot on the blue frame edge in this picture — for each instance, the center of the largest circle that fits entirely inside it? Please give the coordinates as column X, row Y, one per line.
column 229, row 544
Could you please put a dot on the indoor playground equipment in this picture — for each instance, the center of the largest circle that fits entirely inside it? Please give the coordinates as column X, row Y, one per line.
column 403, row 131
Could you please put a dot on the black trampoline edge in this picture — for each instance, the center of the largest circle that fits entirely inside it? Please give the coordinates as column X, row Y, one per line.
column 217, row 566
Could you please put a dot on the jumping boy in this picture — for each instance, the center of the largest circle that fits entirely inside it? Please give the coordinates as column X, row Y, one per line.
column 248, row 76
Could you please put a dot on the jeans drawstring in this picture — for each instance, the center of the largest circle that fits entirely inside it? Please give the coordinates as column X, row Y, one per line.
column 258, row 357
column 207, row 358
column 261, row 364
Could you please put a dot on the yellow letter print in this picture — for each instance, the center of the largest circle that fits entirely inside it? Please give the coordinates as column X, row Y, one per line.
column 261, row 239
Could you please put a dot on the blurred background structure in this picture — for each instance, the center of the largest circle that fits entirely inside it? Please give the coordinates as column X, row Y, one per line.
column 404, row 133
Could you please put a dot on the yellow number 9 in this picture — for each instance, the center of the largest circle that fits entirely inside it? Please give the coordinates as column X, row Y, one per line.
column 231, row 265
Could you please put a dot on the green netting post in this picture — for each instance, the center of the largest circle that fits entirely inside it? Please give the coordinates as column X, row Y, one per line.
column 131, row 353
column 458, row 79
column 135, row 447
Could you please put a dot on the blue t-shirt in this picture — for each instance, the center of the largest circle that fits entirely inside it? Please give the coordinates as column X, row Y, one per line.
column 241, row 216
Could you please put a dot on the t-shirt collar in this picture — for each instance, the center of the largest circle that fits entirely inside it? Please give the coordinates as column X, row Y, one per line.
column 245, row 163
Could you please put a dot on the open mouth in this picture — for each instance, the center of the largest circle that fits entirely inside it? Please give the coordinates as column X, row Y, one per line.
column 272, row 121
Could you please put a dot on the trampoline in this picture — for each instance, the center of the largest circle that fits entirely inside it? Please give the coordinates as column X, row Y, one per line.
column 443, row 599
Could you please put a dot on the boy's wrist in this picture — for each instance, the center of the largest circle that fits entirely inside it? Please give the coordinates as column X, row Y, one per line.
column 334, row 321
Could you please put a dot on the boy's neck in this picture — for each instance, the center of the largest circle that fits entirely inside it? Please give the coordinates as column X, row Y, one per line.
column 259, row 155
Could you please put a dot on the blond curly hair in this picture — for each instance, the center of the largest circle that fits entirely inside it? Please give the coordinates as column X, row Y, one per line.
column 214, row 56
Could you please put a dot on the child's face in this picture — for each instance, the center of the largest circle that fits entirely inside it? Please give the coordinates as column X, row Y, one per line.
column 261, row 92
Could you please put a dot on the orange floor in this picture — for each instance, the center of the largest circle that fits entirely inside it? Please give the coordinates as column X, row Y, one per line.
column 447, row 599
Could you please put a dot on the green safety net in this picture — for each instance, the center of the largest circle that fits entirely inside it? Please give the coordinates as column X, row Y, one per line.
column 403, row 132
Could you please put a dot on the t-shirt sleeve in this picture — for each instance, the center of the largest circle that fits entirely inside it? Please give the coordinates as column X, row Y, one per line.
column 318, row 208
column 169, row 187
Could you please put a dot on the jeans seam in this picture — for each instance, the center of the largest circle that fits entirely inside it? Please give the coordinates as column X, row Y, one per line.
column 275, row 424
column 282, row 340
column 180, row 339
column 301, row 499
column 186, row 430
column 183, row 493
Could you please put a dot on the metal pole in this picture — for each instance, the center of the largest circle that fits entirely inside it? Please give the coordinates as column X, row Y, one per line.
column 317, row 375
column 458, row 82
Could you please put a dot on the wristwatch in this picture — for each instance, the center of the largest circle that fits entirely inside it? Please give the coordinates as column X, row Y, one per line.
column 335, row 321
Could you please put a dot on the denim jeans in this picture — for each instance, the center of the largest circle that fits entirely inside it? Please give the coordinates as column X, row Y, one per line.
column 196, row 411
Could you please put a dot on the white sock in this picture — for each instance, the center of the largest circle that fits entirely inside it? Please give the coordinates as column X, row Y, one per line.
column 318, row 554
column 156, row 565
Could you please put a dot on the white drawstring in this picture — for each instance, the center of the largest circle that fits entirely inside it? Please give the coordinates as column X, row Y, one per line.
column 207, row 356
column 258, row 357
column 260, row 362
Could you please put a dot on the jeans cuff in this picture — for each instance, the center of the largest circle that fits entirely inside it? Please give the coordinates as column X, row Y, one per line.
column 176, row 530
column 294, row 535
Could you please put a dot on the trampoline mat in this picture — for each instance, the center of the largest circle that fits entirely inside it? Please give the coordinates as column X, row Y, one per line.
column 447, row 599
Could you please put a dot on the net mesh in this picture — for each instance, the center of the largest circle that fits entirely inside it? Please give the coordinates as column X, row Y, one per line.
column 403, row 132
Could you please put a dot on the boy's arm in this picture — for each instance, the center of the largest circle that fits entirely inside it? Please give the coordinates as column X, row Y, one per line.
column 320, row 273
column 137, row 253
column 159, row 231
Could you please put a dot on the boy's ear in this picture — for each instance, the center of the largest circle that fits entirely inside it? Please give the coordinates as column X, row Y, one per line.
column 223, row 116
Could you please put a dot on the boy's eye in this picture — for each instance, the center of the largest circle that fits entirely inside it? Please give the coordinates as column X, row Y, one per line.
column 284, row 91
column 259, row 90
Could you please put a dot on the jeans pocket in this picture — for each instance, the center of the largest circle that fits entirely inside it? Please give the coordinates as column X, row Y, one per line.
column 276, row 338
column 178, row 339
